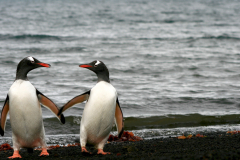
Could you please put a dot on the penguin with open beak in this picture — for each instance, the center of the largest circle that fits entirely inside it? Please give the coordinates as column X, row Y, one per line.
column 100, row 111
column 23, row 103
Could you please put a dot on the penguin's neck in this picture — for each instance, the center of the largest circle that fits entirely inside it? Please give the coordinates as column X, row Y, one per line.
column 22, row 74
column 103, row 77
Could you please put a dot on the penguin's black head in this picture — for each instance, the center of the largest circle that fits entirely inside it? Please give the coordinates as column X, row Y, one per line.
column 99, row 68
column 27, row 64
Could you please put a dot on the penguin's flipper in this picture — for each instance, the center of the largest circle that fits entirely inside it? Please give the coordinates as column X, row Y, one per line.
column 119, row 119
column 4, row 113
column 50, row 105
column 78, row 99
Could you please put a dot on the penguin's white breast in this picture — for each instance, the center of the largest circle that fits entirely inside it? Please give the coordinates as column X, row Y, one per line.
column 24, row 109
column 98, row 114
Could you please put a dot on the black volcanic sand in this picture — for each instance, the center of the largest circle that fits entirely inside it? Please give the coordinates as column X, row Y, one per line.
column 213, row 146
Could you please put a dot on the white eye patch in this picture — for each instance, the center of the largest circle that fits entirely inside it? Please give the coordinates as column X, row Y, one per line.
column 97, row 63
column 31, row 59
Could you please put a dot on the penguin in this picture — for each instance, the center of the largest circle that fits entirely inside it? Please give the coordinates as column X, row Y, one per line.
column 23, row 103
column 100, row 111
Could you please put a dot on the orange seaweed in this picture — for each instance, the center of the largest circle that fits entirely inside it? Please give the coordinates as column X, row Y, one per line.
column 181, row 137
column 200, row 135
column 233, row 132
column 126, row 136
column 5, row 147
column 189, row 136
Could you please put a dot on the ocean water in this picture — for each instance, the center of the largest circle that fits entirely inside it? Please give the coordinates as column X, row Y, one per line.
column 175, row 64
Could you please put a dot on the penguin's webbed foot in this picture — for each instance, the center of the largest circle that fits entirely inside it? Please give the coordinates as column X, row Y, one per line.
column 15, row 155
column 44, row 152
column 100, row 151
column 84, row 150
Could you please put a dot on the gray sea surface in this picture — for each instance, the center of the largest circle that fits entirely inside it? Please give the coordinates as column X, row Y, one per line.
column 175, row 64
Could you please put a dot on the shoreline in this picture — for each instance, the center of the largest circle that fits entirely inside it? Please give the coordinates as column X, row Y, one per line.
column 217, row 145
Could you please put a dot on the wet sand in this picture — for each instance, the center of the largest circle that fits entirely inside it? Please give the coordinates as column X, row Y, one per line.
column 212, row 146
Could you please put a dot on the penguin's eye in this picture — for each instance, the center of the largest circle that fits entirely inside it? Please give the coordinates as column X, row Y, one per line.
column 32, row 62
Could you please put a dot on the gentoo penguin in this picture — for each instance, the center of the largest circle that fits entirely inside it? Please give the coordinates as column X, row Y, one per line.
column 23, row 104
column 101, row 109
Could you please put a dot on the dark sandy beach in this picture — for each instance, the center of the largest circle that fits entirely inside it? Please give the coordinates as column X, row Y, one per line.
column 211, row 146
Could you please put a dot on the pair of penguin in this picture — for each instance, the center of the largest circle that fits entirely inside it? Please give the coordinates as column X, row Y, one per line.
column 24, row 101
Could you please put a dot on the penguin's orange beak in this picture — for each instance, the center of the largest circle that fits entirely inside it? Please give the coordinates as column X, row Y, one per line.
column 84, row 65
column 44, row 65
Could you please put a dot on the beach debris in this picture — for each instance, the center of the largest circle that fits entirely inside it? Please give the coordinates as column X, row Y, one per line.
column 190, row 136
column 181, row 137
column 53, row 147
column 200, row 135
column 126, row 136
column 185, row 137
column 233, row 132
column 5, row 147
